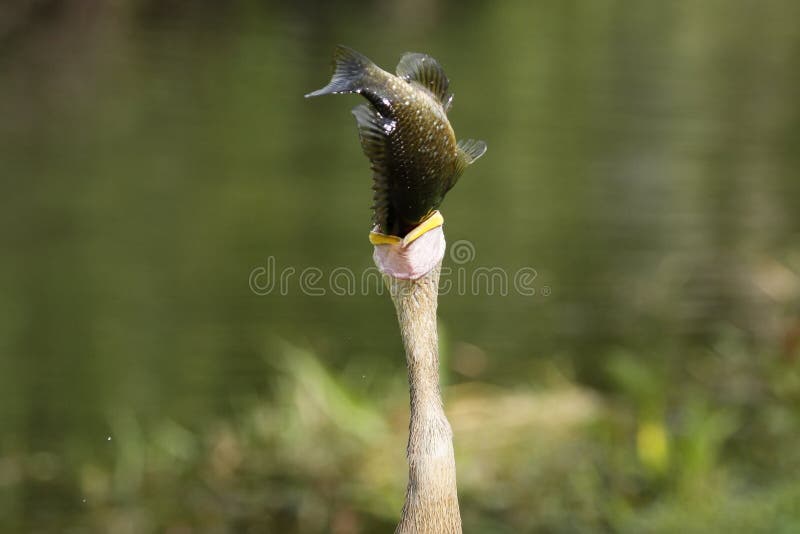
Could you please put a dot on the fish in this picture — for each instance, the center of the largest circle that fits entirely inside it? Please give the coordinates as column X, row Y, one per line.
column 405, row 133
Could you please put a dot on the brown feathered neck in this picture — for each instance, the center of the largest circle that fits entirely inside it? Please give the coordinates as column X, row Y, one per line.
column 431, row 504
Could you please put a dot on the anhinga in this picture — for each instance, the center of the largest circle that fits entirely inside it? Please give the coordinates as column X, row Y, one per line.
column 415, row 160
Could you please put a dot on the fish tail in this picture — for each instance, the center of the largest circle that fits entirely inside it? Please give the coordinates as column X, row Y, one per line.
column 350, row 72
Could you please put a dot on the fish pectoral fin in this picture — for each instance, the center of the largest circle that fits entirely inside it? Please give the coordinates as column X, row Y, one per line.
column 425, row 71
column 374, row 131
column 469, row 150
column 350, row 67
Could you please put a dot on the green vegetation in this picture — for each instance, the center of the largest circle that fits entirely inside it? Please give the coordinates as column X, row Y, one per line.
column 658, row 455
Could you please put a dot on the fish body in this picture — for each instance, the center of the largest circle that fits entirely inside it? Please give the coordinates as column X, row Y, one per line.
column 405, row 133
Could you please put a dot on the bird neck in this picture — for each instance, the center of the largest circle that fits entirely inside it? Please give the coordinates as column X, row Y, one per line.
column 431, row 504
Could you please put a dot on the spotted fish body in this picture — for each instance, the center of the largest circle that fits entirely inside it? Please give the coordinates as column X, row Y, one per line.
column 405, row 133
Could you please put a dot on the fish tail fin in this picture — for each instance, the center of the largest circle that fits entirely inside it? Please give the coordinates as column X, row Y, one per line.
column 350, row 70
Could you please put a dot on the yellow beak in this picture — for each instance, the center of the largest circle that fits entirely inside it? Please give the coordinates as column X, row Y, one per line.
column 435, row 220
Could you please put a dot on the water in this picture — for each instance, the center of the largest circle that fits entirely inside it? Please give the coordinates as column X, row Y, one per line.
column 642, row 161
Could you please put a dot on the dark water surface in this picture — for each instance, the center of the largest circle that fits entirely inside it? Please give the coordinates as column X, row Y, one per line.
column 643, row 161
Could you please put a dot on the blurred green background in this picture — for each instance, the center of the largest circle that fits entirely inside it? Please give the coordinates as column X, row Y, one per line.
column 644, row 159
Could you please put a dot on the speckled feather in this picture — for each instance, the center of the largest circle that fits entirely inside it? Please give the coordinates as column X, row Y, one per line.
column 405, row 133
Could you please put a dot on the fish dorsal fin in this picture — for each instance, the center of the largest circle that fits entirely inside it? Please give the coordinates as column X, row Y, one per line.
column 374, row 131
column 448, row 104
column 468, row 151
column 425, row 71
